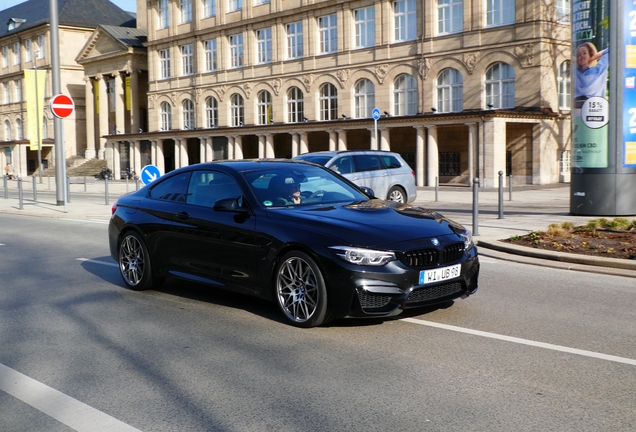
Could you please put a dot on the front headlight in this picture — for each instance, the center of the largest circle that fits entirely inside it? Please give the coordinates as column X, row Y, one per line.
column 361, row 256
column 468, row 240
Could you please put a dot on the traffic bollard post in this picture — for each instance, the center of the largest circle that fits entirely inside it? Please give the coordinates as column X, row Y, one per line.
column 510, row 188
column 436, row 188
column 106, row 189
column 501, row 211
column 68, row 189
column 6, row 187
column 20, row 197
column 35, row 189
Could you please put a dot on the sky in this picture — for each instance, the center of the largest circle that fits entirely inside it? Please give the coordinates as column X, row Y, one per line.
column 127, row 5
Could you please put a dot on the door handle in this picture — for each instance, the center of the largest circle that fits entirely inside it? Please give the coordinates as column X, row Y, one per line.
column 183, row 215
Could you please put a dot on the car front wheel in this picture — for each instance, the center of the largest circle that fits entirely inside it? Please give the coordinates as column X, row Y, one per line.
column 396, row 194
column 134, row 262
column 300, row 290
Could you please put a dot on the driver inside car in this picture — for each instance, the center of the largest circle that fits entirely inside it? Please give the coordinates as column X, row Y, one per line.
column 292, row 193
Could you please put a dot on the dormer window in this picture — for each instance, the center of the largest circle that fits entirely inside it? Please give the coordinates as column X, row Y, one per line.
column 14, row 23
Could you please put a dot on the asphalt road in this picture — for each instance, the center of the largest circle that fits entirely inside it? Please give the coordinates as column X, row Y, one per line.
column 535, row 349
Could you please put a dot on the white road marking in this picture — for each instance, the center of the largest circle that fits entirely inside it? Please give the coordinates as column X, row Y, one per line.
column 523, row 341
column 63, row 408
column 97, row 221
column 97, row 262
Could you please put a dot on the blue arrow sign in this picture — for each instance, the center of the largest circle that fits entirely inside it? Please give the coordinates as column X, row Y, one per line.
column 149, row 173
column 376, row 114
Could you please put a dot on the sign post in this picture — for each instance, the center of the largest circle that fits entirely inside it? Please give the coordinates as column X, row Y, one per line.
column 376, row 116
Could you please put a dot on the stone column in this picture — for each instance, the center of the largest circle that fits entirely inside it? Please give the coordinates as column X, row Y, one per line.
column 135, row 151
column 295, row 144
column 183, row 152
column 419, row 155
column 116, row 160
column 120, row 108
column 103, row 110
column 238, row 147
column 135, row 111
column 385, row 143
column 261, row 146
column 90, row 118
column 304, row 142
column 269, row 146
column 161, row 160
column 333, row 140
column 342, row 140
column 432, row 168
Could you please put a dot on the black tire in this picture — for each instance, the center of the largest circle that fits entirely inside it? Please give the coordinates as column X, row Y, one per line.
column 134, row 262
column 301, row 293
column 397, row 194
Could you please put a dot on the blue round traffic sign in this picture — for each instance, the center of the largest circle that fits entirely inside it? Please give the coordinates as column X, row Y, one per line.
column 376, row 114
column 149, row 173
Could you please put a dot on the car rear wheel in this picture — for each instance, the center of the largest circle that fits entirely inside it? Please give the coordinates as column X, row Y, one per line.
column 134, row 262
column 397, row 194
column 300, row 290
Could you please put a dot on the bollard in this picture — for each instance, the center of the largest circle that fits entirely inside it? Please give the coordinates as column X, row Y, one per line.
column 49, row 177
column 476, row 206
column 137, row 182
column 106, row 188
column 501, row 213
column 436, row 188
column 6, row 187
column 20, row 197
column 126, row 184
column 510, row 188
column 84, row 183
column 35, row 189
column 68, row 189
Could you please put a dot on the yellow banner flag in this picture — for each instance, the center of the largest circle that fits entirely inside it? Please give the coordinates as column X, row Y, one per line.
column 34, row 95
column 127, row 89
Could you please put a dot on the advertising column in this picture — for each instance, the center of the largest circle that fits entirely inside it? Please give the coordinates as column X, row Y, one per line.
column 604, row 114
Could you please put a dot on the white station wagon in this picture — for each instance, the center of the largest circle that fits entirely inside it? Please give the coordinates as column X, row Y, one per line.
column 386, row 173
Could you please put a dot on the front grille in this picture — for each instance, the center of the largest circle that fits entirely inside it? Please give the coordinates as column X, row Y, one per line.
column 431, row 293
column 370, row 300
column 452, row 253
column 426, row 258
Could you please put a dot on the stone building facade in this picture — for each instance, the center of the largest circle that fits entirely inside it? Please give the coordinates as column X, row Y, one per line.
column 465, row 89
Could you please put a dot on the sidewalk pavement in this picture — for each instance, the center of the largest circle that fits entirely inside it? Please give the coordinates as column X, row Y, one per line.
column 532, row 208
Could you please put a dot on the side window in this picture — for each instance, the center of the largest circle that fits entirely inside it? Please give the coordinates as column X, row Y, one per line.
column 391, row 162
column 366, row 162
column 171, row 189
column 343, row 165
column 207, row 187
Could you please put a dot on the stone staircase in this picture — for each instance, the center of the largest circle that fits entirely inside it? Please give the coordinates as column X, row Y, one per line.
column 77, row 168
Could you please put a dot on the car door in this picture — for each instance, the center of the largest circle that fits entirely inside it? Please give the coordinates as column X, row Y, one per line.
column 215, row 246
column 370, row 172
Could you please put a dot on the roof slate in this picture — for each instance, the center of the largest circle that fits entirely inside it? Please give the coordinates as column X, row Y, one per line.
column 82, row 13
column 130, row 37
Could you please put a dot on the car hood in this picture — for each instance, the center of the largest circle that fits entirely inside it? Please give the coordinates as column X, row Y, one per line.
column 371, row 223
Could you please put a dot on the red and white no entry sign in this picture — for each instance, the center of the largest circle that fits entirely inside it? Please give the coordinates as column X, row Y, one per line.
column 62, row 106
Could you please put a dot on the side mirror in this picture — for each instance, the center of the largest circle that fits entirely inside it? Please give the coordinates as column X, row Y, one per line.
column 235, row 205
column 368, row 191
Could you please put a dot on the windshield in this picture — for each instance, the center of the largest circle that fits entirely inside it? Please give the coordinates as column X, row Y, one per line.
column 317, row 159
column 299, row 185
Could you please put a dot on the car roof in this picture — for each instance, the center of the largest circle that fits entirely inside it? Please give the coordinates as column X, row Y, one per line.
column 246, row 164
column 339, row 152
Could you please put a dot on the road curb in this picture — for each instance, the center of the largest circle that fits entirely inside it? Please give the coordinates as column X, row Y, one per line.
column 559, row 256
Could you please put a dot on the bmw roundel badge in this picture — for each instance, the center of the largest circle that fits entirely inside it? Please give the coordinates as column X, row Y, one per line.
column 435, row 241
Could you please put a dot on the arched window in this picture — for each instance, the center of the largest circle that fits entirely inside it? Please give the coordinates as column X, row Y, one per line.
column 188, row 114
column 564, row 81
column 7, row 130
column 295, row 105
column 265, row 115
column 500, row 86
column 211, row 112
column 328, row 102
column 405, row 95
column 166, row 116
column 450, row 91
column 364, row 96
column 237, row 110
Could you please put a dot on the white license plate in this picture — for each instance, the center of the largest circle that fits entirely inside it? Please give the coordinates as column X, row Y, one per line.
column 440, row 274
